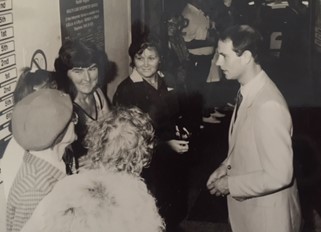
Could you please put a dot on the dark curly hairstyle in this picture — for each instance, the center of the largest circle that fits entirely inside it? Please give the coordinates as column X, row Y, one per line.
column 123, row 141
column 145, row 41
column 75, row 53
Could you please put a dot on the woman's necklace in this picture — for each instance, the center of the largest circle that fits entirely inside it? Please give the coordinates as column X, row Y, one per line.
column 87, row 104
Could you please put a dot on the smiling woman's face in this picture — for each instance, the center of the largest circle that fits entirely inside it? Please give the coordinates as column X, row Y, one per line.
column 147, row 63
column 84, row 79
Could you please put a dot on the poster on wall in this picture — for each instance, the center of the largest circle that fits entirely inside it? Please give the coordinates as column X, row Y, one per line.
column 8, row 71
column 317, row 28
column 83, row 19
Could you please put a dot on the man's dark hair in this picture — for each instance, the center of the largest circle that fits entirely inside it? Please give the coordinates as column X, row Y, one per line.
column 244, row 38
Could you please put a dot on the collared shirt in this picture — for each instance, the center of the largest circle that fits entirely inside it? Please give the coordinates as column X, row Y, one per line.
column 33, row 182
column 136, row 77
column 249, row 89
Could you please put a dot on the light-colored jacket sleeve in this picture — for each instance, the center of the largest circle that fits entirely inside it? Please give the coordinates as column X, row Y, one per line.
column 272, row 137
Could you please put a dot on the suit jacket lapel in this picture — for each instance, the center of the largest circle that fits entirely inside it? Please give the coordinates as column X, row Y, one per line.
column 247, row 103
column 231, row 134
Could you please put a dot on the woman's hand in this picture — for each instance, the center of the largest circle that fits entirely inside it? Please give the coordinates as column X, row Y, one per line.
column 179, row 146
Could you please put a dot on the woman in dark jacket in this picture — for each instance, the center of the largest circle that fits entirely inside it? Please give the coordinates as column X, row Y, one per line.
column 147, row 88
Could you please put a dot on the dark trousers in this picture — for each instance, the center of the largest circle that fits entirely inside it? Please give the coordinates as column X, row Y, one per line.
column 166, row 178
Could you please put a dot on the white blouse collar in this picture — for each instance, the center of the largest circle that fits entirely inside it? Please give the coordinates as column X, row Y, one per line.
column 136, row 77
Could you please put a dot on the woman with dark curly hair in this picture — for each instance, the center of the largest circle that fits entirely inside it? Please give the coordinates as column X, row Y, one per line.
column 150, row 90
column 124, row 141
column 79, row 69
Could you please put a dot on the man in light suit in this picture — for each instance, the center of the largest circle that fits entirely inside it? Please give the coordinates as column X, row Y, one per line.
column 257, row 175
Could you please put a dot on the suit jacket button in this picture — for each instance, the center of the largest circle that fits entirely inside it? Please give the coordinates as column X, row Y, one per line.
column 229, row 167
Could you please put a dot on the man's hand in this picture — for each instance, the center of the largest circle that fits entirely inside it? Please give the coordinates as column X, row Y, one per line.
column 219, row 187
column 220, row 172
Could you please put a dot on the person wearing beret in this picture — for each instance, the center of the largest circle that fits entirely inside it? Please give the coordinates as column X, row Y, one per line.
column 28, row 82
column 42, row 124
column 79, row 70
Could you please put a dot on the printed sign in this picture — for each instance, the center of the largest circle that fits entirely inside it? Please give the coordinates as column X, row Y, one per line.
column 8, row 75
column 8, row 71
column 5, row 5
column 5, row 117
column 6, row 33
column 7, row 61
column 6, row 47
column 6, row 19
column 6, row 90
column 83, row 19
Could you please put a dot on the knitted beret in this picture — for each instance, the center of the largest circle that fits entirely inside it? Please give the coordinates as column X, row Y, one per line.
column 39, row 118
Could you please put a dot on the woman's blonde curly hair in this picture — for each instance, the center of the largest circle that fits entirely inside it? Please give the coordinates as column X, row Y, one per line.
column 124, row 140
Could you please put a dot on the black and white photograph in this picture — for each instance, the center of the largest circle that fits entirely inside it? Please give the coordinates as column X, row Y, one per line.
column 160, row 116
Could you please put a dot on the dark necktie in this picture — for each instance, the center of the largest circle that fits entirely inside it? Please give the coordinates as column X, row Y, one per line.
column 239, row 99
